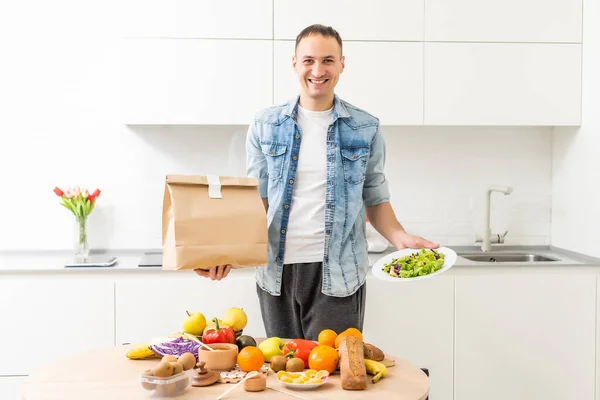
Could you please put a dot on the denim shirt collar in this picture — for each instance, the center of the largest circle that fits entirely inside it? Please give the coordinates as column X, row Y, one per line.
column 339, row 109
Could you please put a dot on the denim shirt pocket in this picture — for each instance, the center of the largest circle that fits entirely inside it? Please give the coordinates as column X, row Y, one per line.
column 355, row 160
column 274, row 154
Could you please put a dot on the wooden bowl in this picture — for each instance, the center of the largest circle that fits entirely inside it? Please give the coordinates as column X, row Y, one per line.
column 223, row 359
column 256, row 384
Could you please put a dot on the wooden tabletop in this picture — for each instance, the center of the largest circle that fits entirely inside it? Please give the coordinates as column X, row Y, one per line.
column 107, row 374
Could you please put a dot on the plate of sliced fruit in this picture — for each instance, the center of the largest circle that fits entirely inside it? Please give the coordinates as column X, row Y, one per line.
column 306, row 380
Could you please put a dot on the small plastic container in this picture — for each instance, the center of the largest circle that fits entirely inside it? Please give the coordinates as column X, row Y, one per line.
column 165, row 387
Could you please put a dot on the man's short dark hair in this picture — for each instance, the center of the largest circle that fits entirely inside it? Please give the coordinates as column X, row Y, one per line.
column 318, row 29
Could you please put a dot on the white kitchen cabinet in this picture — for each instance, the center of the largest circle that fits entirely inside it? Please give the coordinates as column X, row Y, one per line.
column 415, row 321
column 231, row 19
column 51, row 319
column 556, row 21
column 10, row 387
column 181, row 82
column 353, row 19
column 390, row 88
column 150, row 308
column 525, row 336
column 598, row 340
column 502, row 84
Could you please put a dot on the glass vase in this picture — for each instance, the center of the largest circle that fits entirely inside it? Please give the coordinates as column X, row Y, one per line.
column 82, row 249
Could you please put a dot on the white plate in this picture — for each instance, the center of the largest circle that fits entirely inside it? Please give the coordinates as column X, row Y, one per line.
column 304, row 386
column 449, row 260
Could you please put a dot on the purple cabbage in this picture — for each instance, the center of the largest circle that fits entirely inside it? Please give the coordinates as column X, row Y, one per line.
column 176, row 347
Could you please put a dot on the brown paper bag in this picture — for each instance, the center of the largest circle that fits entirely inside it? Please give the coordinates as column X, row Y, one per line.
column 211, row 220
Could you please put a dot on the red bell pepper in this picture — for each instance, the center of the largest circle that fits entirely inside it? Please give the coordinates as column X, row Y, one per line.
column 218, row 335
column 300, row 348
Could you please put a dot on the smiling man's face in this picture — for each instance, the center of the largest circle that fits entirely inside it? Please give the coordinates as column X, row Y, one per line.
column 318, row 63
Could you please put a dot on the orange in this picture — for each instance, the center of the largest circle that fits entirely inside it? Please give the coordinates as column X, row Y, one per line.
column 323, row 357
column 327, row 337
column 250, row 358
column 347, row 332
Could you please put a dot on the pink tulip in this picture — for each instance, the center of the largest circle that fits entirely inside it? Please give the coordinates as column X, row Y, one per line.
column 85, row 194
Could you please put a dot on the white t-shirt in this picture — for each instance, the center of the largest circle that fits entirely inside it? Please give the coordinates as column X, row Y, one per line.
column 305, row 237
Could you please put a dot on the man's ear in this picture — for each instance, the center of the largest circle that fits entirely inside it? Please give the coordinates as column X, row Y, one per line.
column 294, row 61
column 343, row 61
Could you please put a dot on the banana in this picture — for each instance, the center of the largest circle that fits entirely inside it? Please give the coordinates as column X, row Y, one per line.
column 375, row 368
column 140, row 352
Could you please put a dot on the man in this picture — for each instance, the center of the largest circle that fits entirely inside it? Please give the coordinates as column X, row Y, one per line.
column 320, row 162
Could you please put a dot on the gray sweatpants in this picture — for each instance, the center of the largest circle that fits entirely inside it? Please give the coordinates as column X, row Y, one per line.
column 302, row 310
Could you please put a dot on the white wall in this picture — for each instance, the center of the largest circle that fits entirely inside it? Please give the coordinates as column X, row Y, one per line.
column 575, row 156
column 59, row 125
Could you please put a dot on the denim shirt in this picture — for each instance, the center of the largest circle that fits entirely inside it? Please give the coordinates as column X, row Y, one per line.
column 355, row 179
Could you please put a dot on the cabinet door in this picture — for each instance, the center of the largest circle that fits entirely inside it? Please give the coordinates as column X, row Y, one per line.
column 179, row 82
column 10, row 387
column 199, row 19
column 48, row 319
column 502, row 84
column 384, row 79
column 415, row 321
column 353, row 19
column 525, row 337
column 557, row 21
column 154, row 307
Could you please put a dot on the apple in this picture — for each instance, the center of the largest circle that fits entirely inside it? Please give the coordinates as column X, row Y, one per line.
column 194, row 323
column 236, row 318
column 272, row 347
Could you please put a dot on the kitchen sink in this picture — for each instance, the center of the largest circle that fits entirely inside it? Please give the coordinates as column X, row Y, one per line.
column 507, row 257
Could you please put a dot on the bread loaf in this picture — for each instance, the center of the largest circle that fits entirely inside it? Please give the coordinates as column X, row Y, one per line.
column 373, row 352
column 352, row 364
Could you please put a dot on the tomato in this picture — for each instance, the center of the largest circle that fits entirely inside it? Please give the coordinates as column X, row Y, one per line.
column 323, row 357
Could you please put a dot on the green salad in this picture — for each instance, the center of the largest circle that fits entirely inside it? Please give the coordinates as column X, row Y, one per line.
column 423, row 262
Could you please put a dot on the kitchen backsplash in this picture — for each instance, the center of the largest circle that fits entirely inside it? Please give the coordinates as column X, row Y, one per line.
column 437, row 177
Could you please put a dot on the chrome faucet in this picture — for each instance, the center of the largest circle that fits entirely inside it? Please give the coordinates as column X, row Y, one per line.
column 488, row 238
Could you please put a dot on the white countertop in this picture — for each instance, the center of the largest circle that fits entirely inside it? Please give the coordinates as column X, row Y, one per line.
column 127, row 260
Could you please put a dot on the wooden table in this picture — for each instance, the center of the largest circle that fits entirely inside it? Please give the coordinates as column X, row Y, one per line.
column 107, row 374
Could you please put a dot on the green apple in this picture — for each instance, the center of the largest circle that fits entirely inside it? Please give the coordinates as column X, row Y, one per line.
column 272, row 347
column 194, row 323
column 236, row 318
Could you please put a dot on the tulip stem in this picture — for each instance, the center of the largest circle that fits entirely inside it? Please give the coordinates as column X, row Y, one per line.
column 82, row 244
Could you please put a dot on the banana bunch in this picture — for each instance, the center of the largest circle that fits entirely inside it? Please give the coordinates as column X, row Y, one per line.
column 375, row 368
column 140, row 352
